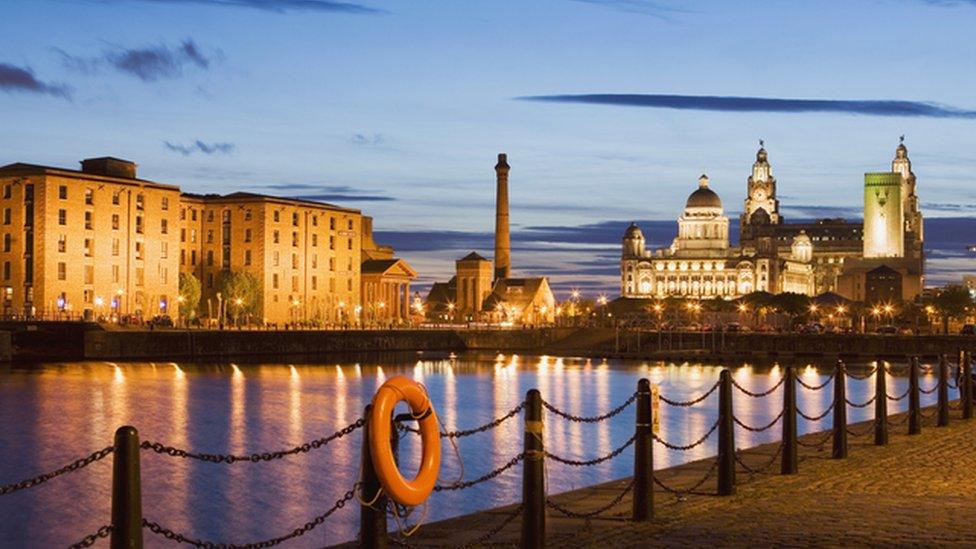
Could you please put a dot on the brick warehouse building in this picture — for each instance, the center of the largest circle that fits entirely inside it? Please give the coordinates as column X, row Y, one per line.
column 100, row 242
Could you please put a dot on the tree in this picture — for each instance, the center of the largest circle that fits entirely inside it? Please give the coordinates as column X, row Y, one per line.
column 189, row 296
column 953, row 302
column 240, row 292
column 793, row 304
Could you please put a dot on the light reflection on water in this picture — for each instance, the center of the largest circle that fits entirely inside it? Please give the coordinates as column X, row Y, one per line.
column 56, row 413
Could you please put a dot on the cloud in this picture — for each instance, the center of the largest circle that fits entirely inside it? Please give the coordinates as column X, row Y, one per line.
column 329, row 197
column 200, row 146
column 277, row 6
column 365, row 140
column 764, row 104
column 329, row 193
column 148, row 64
column 633, row 6
column 812, row 211
column 22, row 79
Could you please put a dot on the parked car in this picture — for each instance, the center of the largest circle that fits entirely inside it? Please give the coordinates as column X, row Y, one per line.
column 968, row 330
column 163, row 321
column 888, row 330
column 733, row 327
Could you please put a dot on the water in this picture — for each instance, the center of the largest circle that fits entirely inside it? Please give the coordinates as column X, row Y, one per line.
column 55, row 413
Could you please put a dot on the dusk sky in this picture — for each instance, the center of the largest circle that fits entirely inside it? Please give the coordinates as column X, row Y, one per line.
column 608, row 110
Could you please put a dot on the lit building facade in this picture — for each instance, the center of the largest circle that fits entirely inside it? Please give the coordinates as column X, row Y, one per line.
column 95, row 242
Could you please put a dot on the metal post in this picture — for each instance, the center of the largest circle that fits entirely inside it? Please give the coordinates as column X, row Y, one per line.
column 644, row 455
column 533, row 475
column 789, row 423
column 966, row 384
column 840, row 411
column 726, row 436
column 372, row 517
column 126, row 491
column 943, row 391
column 880, row 404
column 914, row 406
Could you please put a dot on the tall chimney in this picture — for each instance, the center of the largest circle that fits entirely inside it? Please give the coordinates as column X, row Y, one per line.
column 503, row 259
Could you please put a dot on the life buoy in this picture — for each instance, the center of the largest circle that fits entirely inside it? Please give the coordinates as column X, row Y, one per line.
column 403, row 491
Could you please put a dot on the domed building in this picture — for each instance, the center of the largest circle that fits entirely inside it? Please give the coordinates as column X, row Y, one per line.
column 701, row 264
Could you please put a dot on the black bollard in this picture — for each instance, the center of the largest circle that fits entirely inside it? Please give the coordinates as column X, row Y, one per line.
column 126, row 491
column 914, row 405
column 880, row 405
column 372, row 517
column 943, row 391
column 726, row 436
column 840, row 411
column 789, row 466
column 966, row 385
column 644, row 455
column 533, row 475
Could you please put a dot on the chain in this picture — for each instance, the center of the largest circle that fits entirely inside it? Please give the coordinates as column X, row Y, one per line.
column 896, row 423
column 678, row 447
column 819, row 444
column 765, row 467
column 467, row 432
column 767, row 392
column 865, row 405
column 928, row 391
column 693, row 487
column 692, row 402
column 854, row 433
column 490, row 533
column 951, row 386
column 592, row 419
column 929, row 415
column 816, row 418
column 73, row 466
column 815, row 387
column 590, row 514
column 865, row 376
column 595, row 461
column 905, row 394
column 267, row 456
column 459, row 485
column 155, row 528
column 759, row 429
column 90, row 539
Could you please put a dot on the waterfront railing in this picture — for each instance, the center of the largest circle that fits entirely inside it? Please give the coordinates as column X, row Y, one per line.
column 128, row 524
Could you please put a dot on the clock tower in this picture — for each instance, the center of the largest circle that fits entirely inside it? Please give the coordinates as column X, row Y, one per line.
column 762, row 207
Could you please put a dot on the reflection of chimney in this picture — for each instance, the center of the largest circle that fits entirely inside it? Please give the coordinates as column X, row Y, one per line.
column 503, row 260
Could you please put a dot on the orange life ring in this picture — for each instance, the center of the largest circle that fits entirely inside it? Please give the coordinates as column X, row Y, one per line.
column 403, row 491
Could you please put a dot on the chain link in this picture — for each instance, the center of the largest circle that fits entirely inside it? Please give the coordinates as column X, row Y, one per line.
column 256, row 457
column 73, row 466
column 681, row 448
column 468, row 432
column 895, row 423
column 928, row 391
column 929, row 415
column 498, row 528
column 903, row 395
column 590, row 514
column 459, row 485
column 862, row 376
column 591, row 419
column 867, row 431
column 765, row 467
column 693, row 487
column 816, row 418
column 685, row 404
column 759, row 429
column 595, row 461
column 864, row 405
column 815, row 387
column 819, row 444
column 155, row 528
column 767, row 392
column 90, row 539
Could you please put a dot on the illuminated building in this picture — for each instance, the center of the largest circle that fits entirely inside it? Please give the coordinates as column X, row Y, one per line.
column 92, row 242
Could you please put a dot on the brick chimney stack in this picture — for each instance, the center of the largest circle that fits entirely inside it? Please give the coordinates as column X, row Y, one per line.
column 503, row 260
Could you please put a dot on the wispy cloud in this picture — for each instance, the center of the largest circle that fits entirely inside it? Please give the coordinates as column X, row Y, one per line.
column 368, row 140
column 201, row 147
column 634, row 6
column 148, row 64
column 764, row 104
column 278, row 6
column 329, row 193
column 22, row 79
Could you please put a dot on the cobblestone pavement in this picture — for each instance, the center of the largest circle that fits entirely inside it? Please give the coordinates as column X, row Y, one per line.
column 917, row 491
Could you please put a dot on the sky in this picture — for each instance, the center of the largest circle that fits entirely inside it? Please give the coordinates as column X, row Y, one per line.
column 609, row 110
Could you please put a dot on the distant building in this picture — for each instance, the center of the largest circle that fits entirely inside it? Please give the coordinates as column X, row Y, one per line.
column 477, row 292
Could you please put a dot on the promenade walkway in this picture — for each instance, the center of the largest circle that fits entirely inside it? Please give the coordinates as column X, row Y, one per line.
column 916, row 491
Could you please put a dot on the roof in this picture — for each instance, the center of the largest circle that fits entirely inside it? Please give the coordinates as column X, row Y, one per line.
column 703, row 197
column 473, row 256
column 830, row 299
column 384, row 266
column 442, row 293
column 246, row 196
column 23, row 168
column 517, row 292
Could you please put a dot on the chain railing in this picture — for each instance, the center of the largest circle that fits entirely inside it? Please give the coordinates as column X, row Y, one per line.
column 129, row 524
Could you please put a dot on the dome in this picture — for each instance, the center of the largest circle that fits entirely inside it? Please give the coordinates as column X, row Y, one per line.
column 633, row 232
column 901, row 151
column 703, row 197
column 761, row 156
